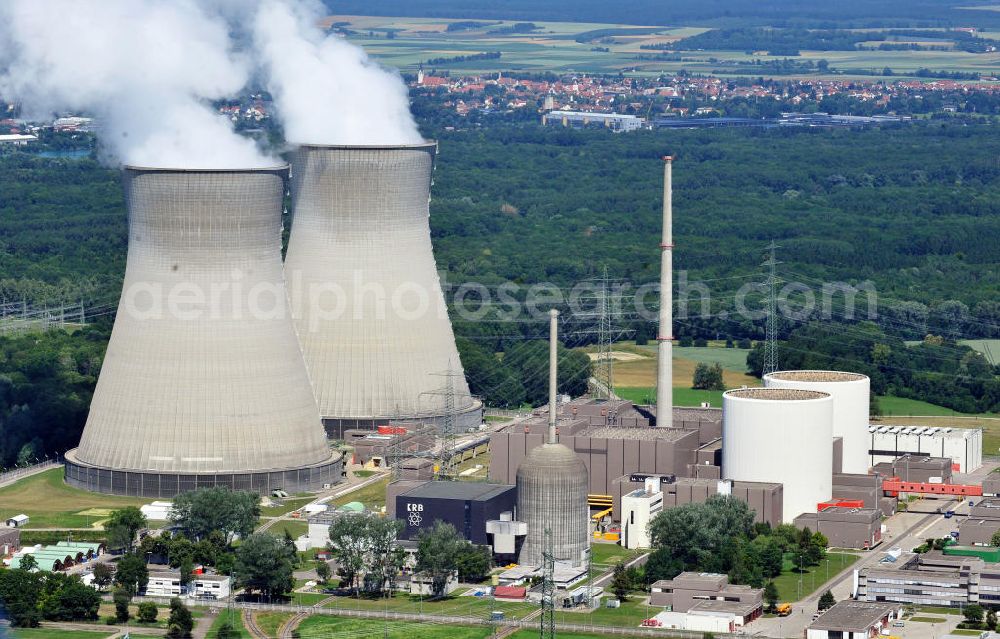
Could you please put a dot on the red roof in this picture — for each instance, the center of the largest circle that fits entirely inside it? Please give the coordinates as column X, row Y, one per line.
column 510, row 592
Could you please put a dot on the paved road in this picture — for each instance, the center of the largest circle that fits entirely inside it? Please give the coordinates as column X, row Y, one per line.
column 906, row 530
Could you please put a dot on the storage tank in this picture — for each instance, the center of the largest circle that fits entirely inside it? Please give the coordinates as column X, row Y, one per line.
column 203, row 383
column 780, row 435
column 850, row 393
column 367, row 301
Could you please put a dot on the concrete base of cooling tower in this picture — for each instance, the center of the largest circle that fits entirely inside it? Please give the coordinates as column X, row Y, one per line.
column 137, row 483
column 465, row 421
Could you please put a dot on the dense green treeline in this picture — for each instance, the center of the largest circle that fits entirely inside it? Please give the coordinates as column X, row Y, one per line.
column 792, row 41
column 806, row 13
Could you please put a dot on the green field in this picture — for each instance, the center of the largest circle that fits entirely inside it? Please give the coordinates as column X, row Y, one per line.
column 56, row 633
column 372, row 496
column 682, row 396
column 287, row 506
column 295, row 528
column 553, row 47
column 902, row 406
column 466, row 606
column 793, row 586
column 237, row 621
column 269, row 622
column 988, row 347
column 50, row 503
column 330, row 626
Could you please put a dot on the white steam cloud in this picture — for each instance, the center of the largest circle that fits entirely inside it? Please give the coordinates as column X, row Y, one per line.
column 326, row 90
column 147, row 69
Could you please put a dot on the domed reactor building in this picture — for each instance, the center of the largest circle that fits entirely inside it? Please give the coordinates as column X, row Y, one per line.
column 203, row 383
column 365, row 293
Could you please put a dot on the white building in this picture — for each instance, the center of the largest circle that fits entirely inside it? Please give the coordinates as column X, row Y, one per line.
column 580, row 119
column 17, row 139
column 638, row 509
column 17, row 521
column 210, row 586
column 964, row 446
column 164, row 584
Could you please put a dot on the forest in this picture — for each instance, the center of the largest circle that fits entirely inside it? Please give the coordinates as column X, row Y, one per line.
column 909, row 214
column 792, row 41
column 716, row 13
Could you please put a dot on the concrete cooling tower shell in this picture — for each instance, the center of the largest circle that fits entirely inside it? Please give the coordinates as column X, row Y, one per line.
column 203, row 382
column 784, row 436
column 850, row 393
column 552, row 487
column 365, row 293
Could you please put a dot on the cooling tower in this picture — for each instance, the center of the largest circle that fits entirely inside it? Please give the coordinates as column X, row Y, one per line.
column 850, row 393
column 783, row 436
column 365, row 293
column 203, row 383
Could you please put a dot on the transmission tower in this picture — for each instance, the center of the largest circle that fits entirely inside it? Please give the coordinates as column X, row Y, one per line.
column 446, row 424
column 771, row 339
column 547, row 625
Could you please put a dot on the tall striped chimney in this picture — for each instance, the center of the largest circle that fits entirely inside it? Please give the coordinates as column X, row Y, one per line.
column 553, row 373
column 665, row 331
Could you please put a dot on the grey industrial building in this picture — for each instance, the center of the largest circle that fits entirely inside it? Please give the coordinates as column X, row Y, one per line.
column 845, row 527
column 583, row 119
column 853, row 620
column 689, row 589
column 918, row 468
column 931, row 579
column 982, row 523
column 465, row 505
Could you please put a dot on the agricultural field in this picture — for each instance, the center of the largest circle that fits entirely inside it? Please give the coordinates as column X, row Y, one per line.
column 409, row 43
column 50, row 503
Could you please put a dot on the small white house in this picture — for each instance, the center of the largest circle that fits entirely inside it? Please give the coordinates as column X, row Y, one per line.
column 164, row 584
column 18, row 521
column 210, row 586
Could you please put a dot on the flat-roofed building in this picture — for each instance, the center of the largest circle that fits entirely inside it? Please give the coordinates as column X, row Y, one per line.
column 963, row 446
column 853, row 620
column 688, row 589
column 582, row 119
column 845, row 527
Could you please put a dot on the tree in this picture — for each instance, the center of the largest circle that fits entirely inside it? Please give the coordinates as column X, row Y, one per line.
column 826, row 601
column 361, row 542
column 263, row 565
column 323, row 571
column 148, row 612
column 66, row 598
column 772, row 557
column 132, row 574
column 20, row 591
column 180, row 622
column 974, row 614
column 121, row 597
column 696, row 535
column 199, row 512
column 995, row 539
column 620, row 585
column 708, row 377
column 991, row 619
column 103, row 575
column 122, row 527
column 661, row 565
column 28, row 563
column 771, row 595
column 438, row 549
column 474, row 563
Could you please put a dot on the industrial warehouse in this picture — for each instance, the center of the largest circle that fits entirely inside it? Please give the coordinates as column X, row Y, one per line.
column 390, row 390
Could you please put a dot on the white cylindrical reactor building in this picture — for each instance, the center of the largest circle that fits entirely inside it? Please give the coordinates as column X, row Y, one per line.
column 203, row 383
column 850, row 393
column 783, row 436
column 368, row 306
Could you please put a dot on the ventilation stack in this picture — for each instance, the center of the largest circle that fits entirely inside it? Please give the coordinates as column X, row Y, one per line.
column 665, row 331
column 365, row 293
column 203, row 383
column 552, row 485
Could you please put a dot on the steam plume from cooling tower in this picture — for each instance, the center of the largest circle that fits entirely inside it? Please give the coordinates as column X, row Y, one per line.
column 146, row 68
column 326, row 90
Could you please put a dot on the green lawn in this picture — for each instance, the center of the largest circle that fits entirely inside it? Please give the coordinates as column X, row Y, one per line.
column 630, row 614
column 307, row 598
column 372, row 496
column 609, row 554
column 287, row 506
column 682, row 396
column 237, row 620
column 733, row 359
column 269, row 622
column 928, row 619
column 480, row 607
column 962, row 632
column 56, row 633
column 793, row 586
column 901, row 406
column 330, row 626
column 295, row 528
column 988, row 347
column 50, row 503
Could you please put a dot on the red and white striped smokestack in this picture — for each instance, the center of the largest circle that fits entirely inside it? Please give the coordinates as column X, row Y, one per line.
column 665, row 334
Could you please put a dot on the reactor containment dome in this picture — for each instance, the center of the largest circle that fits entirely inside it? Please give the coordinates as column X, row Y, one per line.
column 203, row 383
column 784, row 436
column 850, row 392
column 365, row 294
